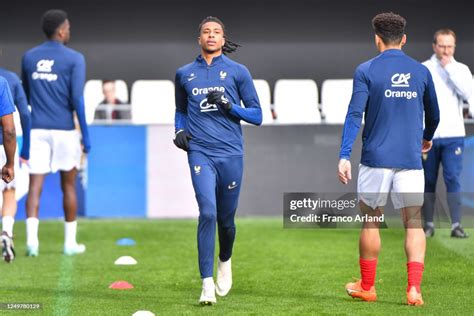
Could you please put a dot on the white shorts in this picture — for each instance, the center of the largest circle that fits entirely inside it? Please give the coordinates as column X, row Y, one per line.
column 53, row 150
column 406, row 186
column 3, row 160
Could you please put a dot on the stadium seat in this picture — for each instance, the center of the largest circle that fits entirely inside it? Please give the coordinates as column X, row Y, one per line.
column 471, row 99
column 153, row 102
column 264, row 96
column 296, row 101
column 93, row 96
column 335, row 98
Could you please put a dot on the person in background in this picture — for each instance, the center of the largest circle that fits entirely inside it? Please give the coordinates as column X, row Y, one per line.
column 9, row 206
column 453, row 83
column 107, row 109
column 53, row 77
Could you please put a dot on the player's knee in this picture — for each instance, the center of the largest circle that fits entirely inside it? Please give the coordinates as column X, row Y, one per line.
column 207, row 209
column 228, row 232
column 430, row 184
column 226, row 223
column 207, row 215
column 34, row 192
column 452, row 184
column 68, row 189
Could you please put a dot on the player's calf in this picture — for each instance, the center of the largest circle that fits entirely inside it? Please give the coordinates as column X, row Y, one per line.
column 415, row 274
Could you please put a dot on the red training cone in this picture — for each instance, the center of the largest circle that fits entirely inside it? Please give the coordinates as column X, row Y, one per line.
column 120, row 285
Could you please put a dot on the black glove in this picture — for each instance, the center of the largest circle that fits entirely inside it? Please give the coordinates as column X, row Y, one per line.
column 218, row 98
column 181, row 140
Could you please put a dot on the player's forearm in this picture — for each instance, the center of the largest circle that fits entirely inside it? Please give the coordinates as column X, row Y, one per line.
column 431, row 122
column 180, row 120
column 359, row 99
column 25, row 119
column 81, row 116
column 252, row 115
column 431, row 108
column 77, row 94
column 9, row 138
column 349, row 134
column 24, row 82
column 353, row 120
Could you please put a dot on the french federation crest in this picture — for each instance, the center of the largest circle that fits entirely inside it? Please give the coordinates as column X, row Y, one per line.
column 197, row 170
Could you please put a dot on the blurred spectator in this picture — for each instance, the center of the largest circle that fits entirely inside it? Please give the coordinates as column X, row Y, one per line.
column 111, row 108
column 453, row 83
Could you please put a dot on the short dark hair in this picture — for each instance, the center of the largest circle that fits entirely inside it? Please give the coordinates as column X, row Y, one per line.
column 229, row 46
column 106, row 81
column 390, row 27
column 443, row 32
column 51, row 20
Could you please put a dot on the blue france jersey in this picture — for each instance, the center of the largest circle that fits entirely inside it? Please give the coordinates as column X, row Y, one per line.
column 394, row 91
column 6, row 100
column 53, row 76
column 213, row 130
column 19, row 99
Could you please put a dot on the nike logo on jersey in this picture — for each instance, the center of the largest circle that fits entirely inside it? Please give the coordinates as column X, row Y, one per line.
column 233, row 185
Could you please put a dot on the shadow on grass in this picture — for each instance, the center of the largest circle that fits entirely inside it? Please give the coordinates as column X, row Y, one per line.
column 378, row 302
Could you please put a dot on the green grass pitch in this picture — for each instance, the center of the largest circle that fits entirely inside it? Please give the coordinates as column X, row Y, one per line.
column 276, row 271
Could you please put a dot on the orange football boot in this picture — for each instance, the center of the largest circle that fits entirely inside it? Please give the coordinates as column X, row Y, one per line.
column 414, row 298
column 355, row 290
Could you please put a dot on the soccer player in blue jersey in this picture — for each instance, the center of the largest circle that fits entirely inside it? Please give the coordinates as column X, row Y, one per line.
column 8, row 131
column 53, row 76
column 209, row 92
column 8, row 153
column 394, row 91
column 9, row 206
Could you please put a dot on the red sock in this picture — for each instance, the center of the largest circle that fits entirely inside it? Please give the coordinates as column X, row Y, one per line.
column 368, row 269
column 415, row 273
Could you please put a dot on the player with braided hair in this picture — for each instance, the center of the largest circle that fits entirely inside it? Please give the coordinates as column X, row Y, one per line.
column 209, row 92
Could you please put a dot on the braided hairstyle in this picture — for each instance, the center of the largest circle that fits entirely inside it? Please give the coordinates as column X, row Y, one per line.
column 229, row 46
